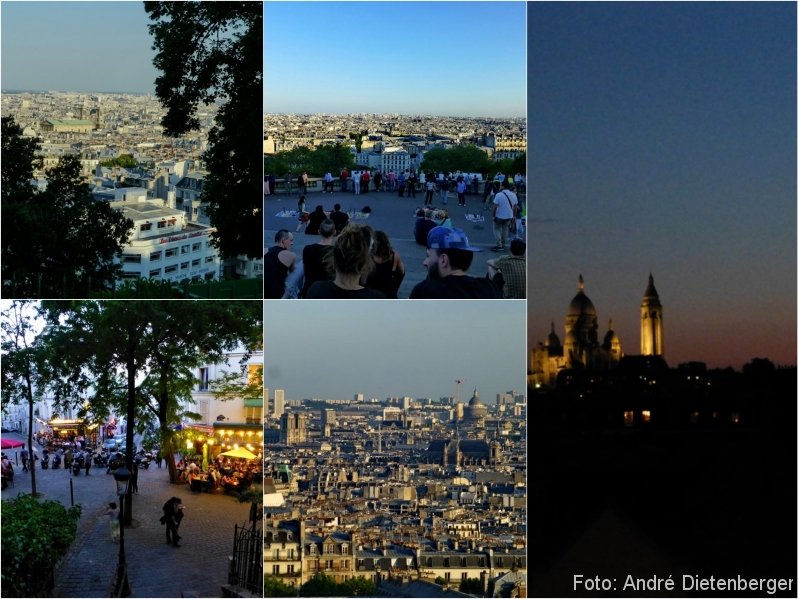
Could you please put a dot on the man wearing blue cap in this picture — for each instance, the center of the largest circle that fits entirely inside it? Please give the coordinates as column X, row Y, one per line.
column 449, row 255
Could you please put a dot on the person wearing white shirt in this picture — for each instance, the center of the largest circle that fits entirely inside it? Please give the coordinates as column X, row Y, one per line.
column 505, row 203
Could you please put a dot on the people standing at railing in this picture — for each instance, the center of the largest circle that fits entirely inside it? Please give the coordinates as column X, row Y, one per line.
column 411, row 184
column 444, row 186
column 344, row 177
column 287, row 179
column 328, row 182
column 391, row 177
column 356, row 182
column 461, row 187
column 302, row 183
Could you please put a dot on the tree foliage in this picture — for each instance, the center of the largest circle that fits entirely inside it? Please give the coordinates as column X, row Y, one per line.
column 511, row 165
column 35, row 535
column 468, row 159
column 123, row 160
column 25, row 371
column 322, row 585
column 141, row 357
column 472, row 586
column 316, row 161
column 59, row 242
column 212, row 52
column 274, row 587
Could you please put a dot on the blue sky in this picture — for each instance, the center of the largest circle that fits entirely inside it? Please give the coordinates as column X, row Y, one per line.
column 439, row 58
column 394, row 348
column 663, row 140
column 76, row 46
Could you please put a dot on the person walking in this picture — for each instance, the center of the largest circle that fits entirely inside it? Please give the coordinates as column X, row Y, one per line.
column 23, row 455
column 170, row 510
column 113, row 515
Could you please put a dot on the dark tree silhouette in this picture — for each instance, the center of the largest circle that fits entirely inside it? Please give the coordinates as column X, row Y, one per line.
column 59, row 242
column 213, row 52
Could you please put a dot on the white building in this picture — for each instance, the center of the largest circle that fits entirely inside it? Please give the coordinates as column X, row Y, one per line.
column 244, row 410
column 279, row 402
column 164, row 246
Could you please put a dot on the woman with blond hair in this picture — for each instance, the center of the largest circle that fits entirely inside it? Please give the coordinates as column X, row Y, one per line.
column 351, row 258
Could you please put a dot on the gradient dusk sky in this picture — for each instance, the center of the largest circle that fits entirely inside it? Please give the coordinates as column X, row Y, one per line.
column 334, row 349
column 76, row 46
column 432, row 58
column 663, row 139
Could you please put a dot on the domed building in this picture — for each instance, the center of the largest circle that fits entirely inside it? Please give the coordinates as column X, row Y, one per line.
column 581, row 347
column 476, row 410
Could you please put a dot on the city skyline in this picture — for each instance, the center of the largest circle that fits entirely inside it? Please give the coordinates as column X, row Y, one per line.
column 405, row 66
column 340, row 352
column 665, row 144
column 41, row 51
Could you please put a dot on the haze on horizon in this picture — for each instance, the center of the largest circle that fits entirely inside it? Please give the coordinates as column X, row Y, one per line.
column 81, row 47
column 396, row 348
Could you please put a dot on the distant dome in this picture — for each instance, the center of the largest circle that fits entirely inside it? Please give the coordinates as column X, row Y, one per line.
column 610, row 338
column 476, row 410
column 475, row 401
column 581, row 304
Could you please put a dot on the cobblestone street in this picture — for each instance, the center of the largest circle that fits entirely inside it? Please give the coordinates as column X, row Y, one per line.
column 155, row 569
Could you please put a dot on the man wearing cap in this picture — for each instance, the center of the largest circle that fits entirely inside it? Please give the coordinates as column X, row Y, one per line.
column 449, row 255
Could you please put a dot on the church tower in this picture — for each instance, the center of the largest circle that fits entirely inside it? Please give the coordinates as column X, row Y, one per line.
column 651, row 321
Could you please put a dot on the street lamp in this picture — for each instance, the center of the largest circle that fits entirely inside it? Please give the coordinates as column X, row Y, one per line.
column 121, row 587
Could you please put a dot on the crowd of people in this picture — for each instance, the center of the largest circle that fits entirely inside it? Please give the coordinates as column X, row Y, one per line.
column 222, row 474
column 354, row 261
column 406, row 183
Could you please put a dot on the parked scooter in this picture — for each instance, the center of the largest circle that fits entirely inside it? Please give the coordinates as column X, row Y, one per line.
column 56, row 462
column 45, row 460
column 77, row 464
column 100, row 460
column 142, row 459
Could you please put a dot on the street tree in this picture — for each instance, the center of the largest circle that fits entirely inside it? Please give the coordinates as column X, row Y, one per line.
column 141, row 356
column 211, row 52
column 316, row 161
column 59, row 242
column 468, row 159
column 24, row 373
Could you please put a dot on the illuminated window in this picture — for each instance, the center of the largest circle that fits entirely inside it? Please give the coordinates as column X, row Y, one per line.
column 628, row 418
column 735, row 417
column 694, row 417
column 646, row 415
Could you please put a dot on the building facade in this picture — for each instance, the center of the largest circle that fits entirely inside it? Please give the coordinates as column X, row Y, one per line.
column 164, row 246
